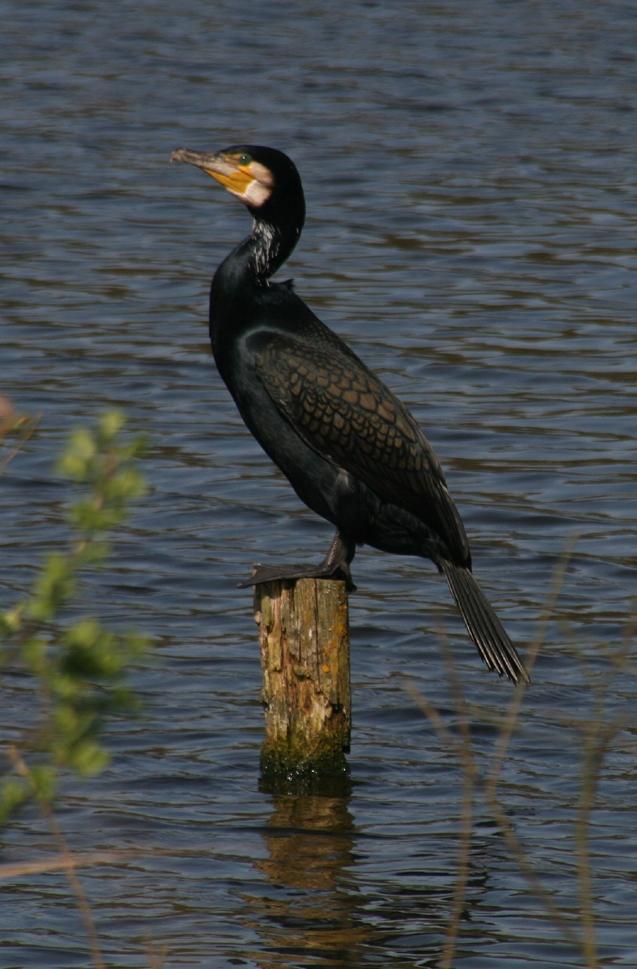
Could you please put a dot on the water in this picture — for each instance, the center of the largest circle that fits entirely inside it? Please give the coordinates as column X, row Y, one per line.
column 469, row 172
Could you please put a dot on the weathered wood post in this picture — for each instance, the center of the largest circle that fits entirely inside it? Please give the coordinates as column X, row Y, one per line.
column 304, row 642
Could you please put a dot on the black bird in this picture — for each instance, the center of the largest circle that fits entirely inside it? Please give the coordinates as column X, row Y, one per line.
column 349, row 447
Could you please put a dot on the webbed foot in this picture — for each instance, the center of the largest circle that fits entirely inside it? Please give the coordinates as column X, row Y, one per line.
column 335, row 565
column 291, row 572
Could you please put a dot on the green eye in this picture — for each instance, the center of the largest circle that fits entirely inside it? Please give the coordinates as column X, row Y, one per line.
column 244, row 159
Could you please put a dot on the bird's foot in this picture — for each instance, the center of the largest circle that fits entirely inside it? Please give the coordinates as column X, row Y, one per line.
column 289, row 572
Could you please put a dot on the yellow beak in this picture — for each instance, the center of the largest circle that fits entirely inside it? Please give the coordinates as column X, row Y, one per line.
column 225, row 169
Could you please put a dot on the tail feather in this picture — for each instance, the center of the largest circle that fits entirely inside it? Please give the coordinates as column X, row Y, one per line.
column 484, row 627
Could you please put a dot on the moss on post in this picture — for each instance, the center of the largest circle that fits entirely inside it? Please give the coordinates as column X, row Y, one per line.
column 304, row 641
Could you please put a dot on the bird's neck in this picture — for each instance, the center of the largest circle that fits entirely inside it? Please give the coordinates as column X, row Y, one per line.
column 268, row 247
column 259, row 255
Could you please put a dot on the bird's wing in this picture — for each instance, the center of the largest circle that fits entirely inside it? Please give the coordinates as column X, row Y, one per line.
column 345, row 413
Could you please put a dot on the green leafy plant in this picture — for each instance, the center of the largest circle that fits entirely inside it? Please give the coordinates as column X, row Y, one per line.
column 78, row 669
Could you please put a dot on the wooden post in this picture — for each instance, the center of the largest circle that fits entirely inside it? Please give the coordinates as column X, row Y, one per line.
column 304, row 641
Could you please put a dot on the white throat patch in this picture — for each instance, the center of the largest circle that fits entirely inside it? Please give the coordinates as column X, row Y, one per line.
column 260, row 188
column 256, row 193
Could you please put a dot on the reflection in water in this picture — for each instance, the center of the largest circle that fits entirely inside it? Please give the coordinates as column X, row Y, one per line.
column 309, row 845
column 317, row 911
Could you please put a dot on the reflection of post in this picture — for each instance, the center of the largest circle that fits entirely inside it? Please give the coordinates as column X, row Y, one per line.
column 309, row 842
column 332, row 896
column 304, row 640
column 307, row 914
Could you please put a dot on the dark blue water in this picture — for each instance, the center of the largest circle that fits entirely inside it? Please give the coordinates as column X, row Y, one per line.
column 470, row 180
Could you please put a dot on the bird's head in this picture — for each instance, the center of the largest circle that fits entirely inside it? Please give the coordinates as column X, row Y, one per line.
column 264, row 179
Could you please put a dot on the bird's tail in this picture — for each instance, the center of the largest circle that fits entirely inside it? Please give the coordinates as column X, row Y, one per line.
column 484, row 627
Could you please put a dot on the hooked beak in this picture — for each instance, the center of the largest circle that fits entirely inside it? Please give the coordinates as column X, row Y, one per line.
column 225, row 169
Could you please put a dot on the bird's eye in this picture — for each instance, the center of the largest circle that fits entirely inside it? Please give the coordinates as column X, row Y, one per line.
column 244, row 158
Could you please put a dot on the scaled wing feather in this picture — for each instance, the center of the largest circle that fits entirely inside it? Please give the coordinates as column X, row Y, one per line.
column 344, row 412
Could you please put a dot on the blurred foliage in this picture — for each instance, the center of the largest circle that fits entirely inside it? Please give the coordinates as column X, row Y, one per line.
column 77, row 669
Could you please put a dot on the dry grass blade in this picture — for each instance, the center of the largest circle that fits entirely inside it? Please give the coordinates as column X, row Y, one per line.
column 507, row 730
column 69, row 865
column 468, row 767
column 463, row 750
column 83, row 859
column 508, row 727
column 16, row 425
column 462, row 747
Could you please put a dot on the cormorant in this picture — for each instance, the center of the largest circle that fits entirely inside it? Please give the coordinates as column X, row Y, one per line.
column 348, row 446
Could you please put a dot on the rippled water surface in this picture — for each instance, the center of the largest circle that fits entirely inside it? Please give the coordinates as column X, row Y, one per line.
column 470, row 179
